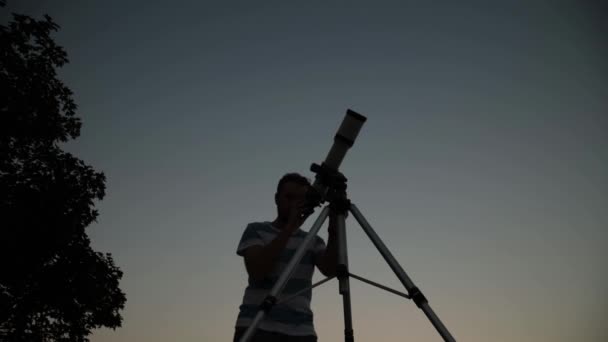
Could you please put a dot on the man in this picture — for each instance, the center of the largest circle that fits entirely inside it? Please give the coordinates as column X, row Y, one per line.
column 267, row 247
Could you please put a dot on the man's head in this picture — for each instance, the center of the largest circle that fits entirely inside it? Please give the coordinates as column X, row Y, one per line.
column 292, row 189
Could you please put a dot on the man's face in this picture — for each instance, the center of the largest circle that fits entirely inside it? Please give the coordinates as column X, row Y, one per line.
column 291, row 195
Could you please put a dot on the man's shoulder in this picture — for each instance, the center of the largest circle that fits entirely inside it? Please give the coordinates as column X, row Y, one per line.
column 261, row 226
column 256, row 233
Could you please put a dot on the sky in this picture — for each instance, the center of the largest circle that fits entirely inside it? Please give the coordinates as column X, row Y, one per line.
column 482, row 165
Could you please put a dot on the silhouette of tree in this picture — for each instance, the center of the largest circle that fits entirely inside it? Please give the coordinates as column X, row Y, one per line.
column 53, row 286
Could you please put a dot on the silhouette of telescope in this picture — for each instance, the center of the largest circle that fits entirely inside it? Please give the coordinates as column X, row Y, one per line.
column 327, row 172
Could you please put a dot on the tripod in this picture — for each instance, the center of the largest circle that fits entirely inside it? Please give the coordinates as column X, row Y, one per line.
column 341, row 205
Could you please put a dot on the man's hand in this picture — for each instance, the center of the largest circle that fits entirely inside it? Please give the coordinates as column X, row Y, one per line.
column 296, row 216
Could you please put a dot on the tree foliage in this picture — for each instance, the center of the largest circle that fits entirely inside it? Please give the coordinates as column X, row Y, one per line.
column 53, row 285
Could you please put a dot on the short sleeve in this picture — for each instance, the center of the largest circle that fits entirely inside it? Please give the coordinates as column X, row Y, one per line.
column 250, row 238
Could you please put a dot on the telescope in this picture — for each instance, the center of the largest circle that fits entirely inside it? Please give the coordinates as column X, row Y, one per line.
column 327, row 172
column 330, row 186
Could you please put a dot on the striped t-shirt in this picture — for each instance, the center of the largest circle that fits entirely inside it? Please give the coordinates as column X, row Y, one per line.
column 293, row 317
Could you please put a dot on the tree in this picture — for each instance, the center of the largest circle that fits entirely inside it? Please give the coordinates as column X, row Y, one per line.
column 53, row 286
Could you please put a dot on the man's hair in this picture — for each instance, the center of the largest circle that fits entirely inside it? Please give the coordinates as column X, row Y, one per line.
column 292, row 177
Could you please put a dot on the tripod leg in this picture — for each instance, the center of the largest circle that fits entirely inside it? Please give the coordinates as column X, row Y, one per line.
column 343, row 277
column 271, row 298
column 413, row 291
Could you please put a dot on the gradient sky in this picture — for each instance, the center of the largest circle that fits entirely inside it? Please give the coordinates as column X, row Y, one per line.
column 483, row 164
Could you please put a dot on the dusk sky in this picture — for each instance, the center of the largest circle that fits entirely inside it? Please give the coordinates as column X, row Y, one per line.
column 483, row 164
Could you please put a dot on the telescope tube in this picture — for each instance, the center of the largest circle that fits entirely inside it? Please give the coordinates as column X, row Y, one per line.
column 343, row 140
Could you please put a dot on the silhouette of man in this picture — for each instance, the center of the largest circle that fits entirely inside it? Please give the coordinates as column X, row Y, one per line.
column 267, row 247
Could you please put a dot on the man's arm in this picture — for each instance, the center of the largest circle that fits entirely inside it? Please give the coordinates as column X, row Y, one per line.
column 328, row 261
column 259, row 260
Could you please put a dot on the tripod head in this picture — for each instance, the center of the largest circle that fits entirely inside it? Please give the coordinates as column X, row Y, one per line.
column 334, row 184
